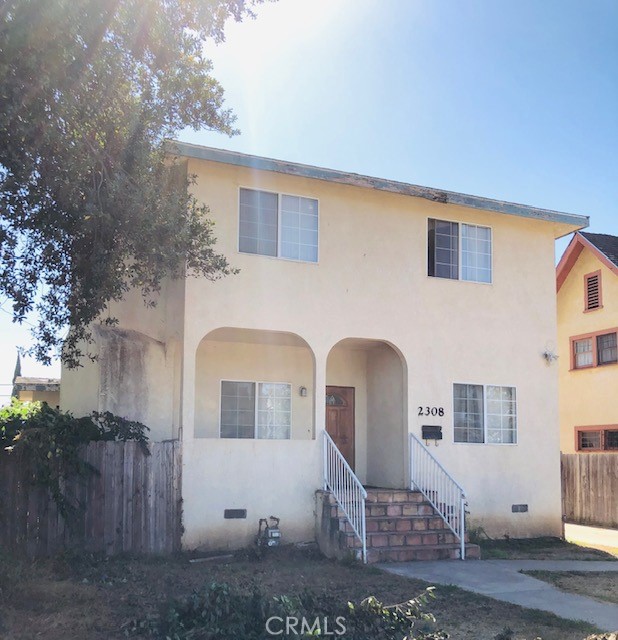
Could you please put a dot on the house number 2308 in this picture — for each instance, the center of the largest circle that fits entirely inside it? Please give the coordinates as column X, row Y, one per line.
column 431, row 411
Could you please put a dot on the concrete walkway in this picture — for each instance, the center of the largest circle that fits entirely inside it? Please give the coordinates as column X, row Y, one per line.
column 500, row 579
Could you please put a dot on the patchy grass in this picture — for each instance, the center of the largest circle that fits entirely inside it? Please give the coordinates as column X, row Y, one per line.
column 538, row 549
column 602, row 585
column 96, row 598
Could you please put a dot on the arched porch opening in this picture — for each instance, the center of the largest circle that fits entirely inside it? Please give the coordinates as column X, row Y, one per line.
column 366, row 409
column 254, row 384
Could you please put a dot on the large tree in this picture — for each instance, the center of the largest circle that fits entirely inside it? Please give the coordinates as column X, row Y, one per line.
column 90, row 205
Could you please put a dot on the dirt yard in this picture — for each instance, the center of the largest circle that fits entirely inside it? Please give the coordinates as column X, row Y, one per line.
column 96, row 598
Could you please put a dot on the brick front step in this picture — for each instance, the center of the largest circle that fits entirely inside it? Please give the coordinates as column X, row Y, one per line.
column 424, row 524
column 380, row 540
column 401, row 526
column 393, row 496
column 410, row 554
column 384, row 509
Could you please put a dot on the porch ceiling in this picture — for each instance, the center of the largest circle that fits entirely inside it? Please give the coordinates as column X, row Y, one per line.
column 256, row 336
column 362, row 344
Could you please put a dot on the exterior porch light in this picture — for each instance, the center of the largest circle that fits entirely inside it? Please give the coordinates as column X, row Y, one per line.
column 302, row 392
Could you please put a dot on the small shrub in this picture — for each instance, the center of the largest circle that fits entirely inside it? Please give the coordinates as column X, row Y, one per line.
column 219, row 612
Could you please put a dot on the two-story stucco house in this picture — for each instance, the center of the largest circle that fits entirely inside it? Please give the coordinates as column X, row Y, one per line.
column 587, row 284
column 378, row 312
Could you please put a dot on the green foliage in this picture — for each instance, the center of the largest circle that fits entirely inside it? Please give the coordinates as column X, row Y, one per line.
column 90, row 204
column 218, row 611
column 48, row 440
column 115, row 428
column 373, row 619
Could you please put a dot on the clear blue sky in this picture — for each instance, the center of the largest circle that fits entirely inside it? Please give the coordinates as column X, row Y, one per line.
column 510, row 100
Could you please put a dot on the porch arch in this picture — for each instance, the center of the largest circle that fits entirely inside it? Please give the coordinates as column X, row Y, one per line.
column 259, row 357
column 377, row 372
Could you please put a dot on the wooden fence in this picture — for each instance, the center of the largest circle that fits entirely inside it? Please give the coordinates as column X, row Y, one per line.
column 590, row 488
column 132, row 505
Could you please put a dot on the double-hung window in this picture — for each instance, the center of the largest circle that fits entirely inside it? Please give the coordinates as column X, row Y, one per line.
column 606, row 348
column 484, row 414
column 259, row 410
column 583, row 353
column 594, row 350
column 459, row 251
column 278, row 225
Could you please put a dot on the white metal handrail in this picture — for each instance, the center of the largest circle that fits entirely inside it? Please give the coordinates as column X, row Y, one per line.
column 444, row 493
column 346, row 488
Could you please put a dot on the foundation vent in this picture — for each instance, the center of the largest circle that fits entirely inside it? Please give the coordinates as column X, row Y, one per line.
column 235, row 514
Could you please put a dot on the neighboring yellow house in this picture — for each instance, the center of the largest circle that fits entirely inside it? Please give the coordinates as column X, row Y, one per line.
column 37, row 390
column 587, row 285
column 28, row 389
column 372, row 310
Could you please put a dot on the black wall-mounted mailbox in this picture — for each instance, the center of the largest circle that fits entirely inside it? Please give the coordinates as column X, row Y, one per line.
column 432, row 432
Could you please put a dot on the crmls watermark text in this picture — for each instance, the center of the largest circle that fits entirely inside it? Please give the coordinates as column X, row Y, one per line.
column 292, row 626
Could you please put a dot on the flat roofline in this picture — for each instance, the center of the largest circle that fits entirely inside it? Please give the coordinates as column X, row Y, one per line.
column 200, row 152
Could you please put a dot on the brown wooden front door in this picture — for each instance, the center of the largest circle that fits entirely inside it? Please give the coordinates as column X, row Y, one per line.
column 340, row 419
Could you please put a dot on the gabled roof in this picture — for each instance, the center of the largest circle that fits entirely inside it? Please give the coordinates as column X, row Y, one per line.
column 606, row 244
column 184, row 149
column 602, row 245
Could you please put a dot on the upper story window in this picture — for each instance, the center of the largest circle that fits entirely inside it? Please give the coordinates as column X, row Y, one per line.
column 594, row 349
column 484, row 414
column 278, row 225
column 459, row 251
column 592, row 291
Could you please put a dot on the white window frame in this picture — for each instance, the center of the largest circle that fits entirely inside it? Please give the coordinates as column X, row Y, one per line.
column 279, row 194
column 485, row 443
column 255, row 409
column 459, row 251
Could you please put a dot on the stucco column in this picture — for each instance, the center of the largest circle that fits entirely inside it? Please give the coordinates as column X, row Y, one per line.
column 187, row 391
column 319, row 417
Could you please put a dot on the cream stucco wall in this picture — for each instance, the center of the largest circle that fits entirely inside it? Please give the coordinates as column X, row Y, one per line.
column 387, row 418
column 587, row 396
column 137, row 369
column 347, row 367
column 265, row 477
column 241, row 361
column 371, row 284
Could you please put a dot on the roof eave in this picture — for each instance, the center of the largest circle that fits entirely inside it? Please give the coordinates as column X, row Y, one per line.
column 184, row 149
